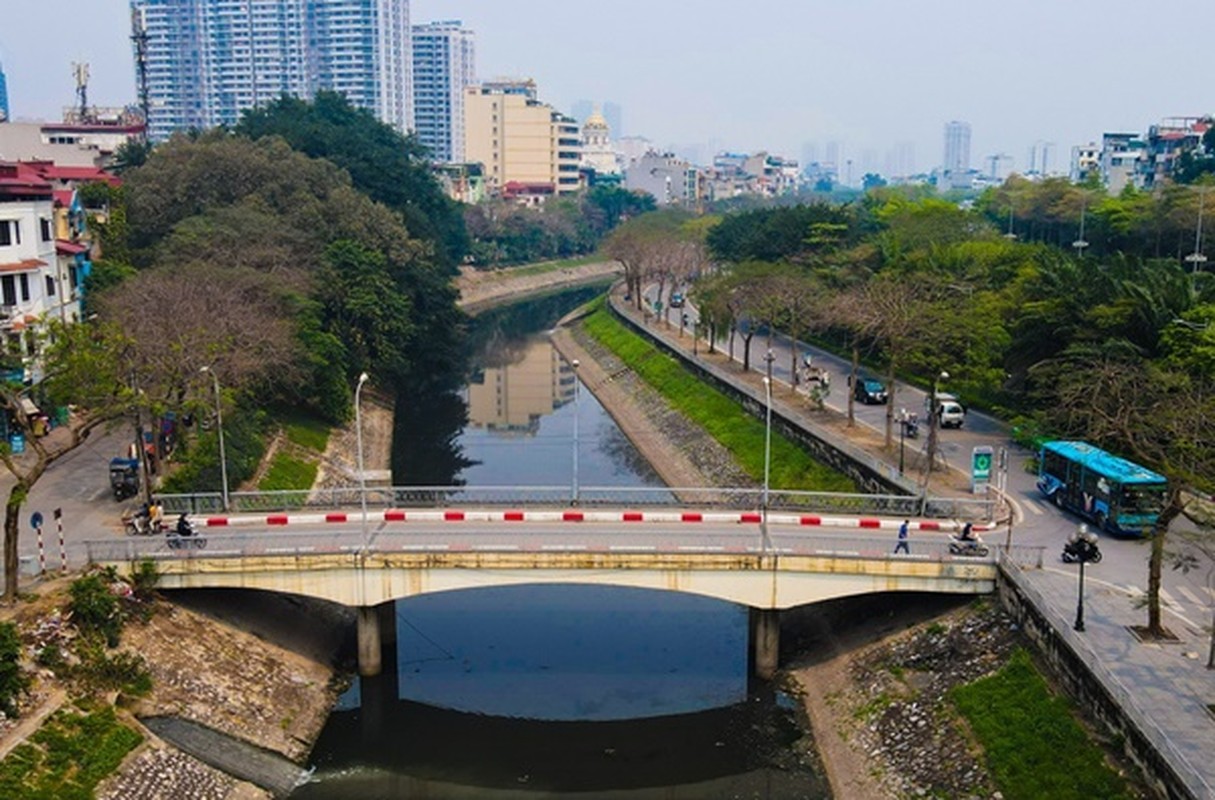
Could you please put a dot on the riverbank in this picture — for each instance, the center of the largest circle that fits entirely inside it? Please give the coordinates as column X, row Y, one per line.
column 481, row 290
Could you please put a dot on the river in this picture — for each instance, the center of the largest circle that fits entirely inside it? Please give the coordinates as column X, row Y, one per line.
column 531, row 691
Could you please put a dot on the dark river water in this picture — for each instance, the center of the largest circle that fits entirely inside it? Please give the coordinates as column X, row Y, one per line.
column 551, row 690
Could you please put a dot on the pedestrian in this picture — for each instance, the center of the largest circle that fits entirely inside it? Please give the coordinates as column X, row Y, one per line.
column 902, row 545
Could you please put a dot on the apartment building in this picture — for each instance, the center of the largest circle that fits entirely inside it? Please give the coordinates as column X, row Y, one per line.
column 520, row 140
column 444, row 66
column 207, row 61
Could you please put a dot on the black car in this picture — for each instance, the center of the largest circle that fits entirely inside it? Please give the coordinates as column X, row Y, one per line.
column 870, row 391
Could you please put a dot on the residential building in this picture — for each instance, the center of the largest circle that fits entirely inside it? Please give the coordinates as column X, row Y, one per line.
column 72, row 143
column 670, row 180
column 1122, row 161
column 956, row 166
column 444, row 66
column 1166, row 141
column 1086, row 161
column 4, row 113
column 207, row 61
column 519, row 139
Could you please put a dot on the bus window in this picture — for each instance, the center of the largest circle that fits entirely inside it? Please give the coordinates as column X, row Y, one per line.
column 1142, row 499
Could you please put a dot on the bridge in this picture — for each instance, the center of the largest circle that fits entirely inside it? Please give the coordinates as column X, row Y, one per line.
column 765, row 561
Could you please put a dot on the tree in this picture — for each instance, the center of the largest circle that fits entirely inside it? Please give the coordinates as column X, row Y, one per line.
column 14, row 682
column 1112, row 396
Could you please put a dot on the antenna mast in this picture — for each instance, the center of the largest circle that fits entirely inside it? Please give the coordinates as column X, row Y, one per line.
column 81, row 73
column 139, row 37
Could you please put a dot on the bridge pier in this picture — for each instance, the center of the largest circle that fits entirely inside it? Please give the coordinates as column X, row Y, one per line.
column 765, row 642
column 370, row 645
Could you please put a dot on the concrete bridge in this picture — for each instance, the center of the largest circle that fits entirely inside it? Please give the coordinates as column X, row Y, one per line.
column 767, row 567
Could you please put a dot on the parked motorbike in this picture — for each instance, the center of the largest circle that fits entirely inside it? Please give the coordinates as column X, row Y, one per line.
column 1071, row 554
column 911, row 427
column 967, row 547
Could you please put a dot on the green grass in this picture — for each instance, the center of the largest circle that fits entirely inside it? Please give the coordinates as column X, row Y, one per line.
column 548, row 266
column 307, row 432
column 1035, row 747
column 287, row 472
column 67, row 757
column 724, row 418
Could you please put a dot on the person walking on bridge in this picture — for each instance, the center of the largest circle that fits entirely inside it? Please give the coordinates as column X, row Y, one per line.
column 903, row 545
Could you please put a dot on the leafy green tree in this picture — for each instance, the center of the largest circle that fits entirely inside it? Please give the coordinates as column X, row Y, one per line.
column 95, row 609
column 386, row 165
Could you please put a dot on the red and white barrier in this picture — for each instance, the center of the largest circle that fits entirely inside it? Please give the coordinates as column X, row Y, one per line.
column 579, row 515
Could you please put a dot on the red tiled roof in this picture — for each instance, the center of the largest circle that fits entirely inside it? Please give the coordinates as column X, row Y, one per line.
column 48, row 170
column 63, row 197
column 27, row 265
column 65, row 248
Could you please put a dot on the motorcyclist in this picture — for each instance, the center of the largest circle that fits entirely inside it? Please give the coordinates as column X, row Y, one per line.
column 968, row 534
column 183, row 526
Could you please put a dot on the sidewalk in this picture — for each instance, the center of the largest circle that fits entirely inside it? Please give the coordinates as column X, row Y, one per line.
column 1165, row 689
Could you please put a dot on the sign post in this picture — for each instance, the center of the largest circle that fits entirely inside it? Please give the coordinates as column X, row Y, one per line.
column 980, row 469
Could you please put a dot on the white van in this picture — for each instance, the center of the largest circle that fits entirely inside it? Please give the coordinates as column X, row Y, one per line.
column 950, row 411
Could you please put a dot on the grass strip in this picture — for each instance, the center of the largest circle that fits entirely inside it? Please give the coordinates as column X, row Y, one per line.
column 67, row 757
column 1035, row 747
column 307, row 431
column 288, row 473
column 722, row 417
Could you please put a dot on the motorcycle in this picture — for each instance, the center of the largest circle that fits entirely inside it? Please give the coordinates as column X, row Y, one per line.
column 185, row 536
column 911, row 427
column 1071, row 554
column 142, row 525
column 967, row 547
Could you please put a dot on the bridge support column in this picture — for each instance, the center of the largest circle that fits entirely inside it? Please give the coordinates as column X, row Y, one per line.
column 370, row 647
column 765, row 642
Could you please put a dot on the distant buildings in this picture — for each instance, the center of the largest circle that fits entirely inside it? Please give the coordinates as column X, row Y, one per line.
column 956, row 166
column 209, row 60
column 73, row 143
column 4, row 113
column 527, row 147
column 1143, row 161
column 598, row 155
column 444, row 66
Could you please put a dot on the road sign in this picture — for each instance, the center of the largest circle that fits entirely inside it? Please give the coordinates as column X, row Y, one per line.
column 36, row 519
column 980, row 468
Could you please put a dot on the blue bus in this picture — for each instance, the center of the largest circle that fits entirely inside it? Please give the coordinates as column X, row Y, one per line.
column 1119, row 496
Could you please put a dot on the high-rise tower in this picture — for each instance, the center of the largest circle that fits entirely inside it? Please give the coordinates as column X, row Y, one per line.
column 957, row 148
column 207, row 61
column 3, row 95
column 444, row 65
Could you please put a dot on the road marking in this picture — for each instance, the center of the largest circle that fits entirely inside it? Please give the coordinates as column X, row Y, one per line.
column 495, row 547
column 628, row 547
column 424, row 547
column 308, row 549
column 1034, row 507
column 1193, row 598
column 1168, row 598
column 562, row 547
column 701, row 549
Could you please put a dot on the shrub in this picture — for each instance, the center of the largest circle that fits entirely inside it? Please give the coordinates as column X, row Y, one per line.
column 95, row 609
column 13, row 680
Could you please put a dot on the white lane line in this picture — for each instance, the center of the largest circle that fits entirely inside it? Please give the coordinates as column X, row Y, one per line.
column 424, row 547
column 495, row 547
column 563, row 547
column 633, row 548
column 1034, row 507
column 1193, row 598
column 702, row 548
column 308, row 549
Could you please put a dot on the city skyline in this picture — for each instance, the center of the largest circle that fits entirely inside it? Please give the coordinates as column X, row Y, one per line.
column 788, row 80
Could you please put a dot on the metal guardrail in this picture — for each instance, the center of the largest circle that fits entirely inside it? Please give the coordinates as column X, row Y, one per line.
column 734, row 498
column 785, row 541
column 1194, row 780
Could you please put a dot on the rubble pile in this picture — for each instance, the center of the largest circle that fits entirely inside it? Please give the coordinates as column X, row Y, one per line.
column 905, row 721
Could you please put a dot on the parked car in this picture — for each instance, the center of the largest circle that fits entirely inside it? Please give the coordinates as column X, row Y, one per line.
column 950, row 411
column 870, row 391
column 676, row 300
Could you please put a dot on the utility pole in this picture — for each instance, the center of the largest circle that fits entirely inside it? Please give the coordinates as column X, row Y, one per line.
column 139, row 37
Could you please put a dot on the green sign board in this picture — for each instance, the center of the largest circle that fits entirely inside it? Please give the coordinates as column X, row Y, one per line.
column 980, row 468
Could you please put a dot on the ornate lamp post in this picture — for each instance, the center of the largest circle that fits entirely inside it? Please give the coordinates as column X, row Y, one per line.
column 219, row 424
column 1083, row 545
column 574, row 474
column 902, row 435
column 358, row 436
column 768, row 357
column 934, row 424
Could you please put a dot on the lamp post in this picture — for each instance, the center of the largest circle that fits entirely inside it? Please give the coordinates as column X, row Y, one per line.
column 1084, row 546
column 933, row 424
column 219, row 424
column 1080, row 244
column 358, row 437
column 768, row 357
column 902, row 435
column 574, row 475
column 1197, row 259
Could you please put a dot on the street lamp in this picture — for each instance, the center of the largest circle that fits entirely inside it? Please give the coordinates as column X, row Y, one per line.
column 1080, row 244
column 1197, row 258
column 767, row 441
column 902, row 435
column 933, row 423
column 219, row 424
column 358, row 437
column 1083, row 545
column 574, row 476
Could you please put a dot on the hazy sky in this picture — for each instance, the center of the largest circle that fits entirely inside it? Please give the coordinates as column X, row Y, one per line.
column 764, row 74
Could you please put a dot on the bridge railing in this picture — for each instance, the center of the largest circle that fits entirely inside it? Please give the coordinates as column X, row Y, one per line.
column 354, row 544
column 741, row 498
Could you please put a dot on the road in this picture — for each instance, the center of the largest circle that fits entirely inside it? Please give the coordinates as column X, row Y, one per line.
column 1187, row 598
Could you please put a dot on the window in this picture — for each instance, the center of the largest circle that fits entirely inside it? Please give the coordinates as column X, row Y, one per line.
column 50, row 286
column 46, row 229
column 10, row 232
column 8, row 290
column 25, row 287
